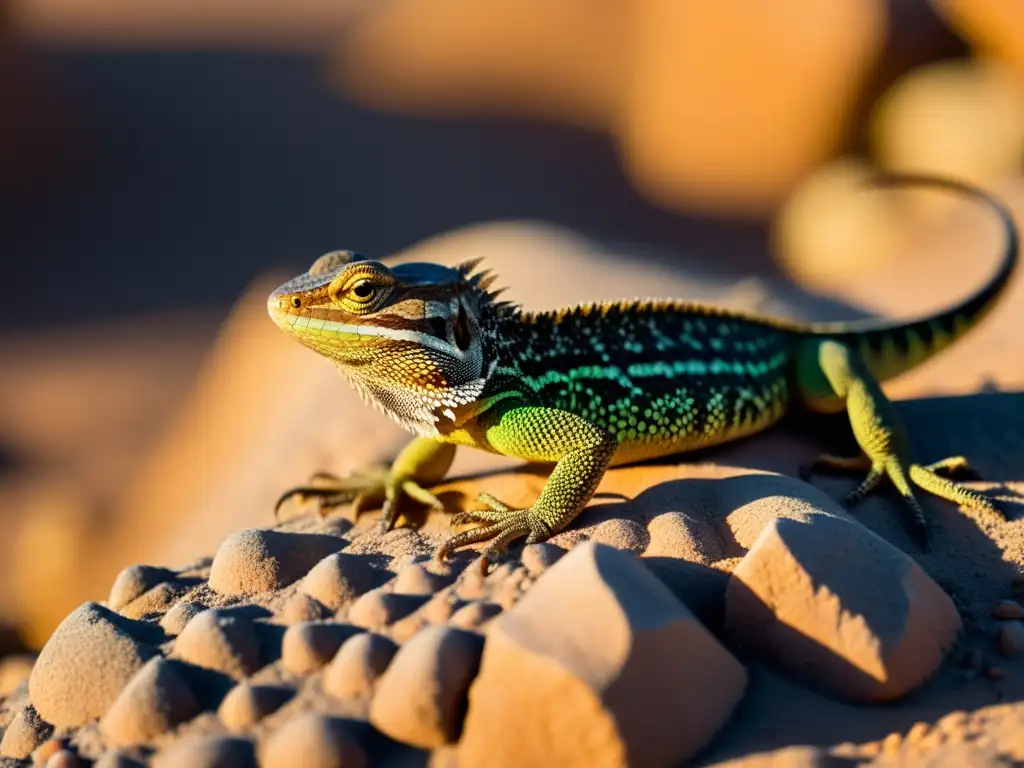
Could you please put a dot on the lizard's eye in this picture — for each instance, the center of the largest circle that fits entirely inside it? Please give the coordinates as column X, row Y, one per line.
column 296, row 302
column 363, row 291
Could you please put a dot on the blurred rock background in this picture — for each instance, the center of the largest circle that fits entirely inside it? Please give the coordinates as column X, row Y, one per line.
column 163, row 164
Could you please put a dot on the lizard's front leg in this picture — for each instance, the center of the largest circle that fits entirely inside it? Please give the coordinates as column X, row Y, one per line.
column 882, row 438
column 582, row 452
column 422, row 463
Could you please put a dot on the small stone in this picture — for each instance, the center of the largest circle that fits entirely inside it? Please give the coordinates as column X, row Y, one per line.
column 313, row 741
column 220, row 641
column 472, row 615
column 340, row 578
column 620, row 533
column 597, row 665
column 84, row 665
column 439, row 608
column 421, row 697
column 678, row 535
column 301, row 607
column 828, row 600
column 308, row 646
column 247, row 704
column 472, row 585
column 537, row 558
column 155, row 701
column 134, row 581
column 1008, row 609
column 1010, row 639
column 376, row 609
column 25, row 733
column 257, row 560
column 208, row 752
column 354, row 670
column 156, row 600
column 15, row 670
column 174, row 621
column 405, row 629
column 415, row 580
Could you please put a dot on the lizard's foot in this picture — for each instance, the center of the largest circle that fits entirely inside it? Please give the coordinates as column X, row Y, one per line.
column 503, row 525
column 364, row 490
column 926, row 477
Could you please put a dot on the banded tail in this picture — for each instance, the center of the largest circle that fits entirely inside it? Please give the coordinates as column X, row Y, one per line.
column 892, row 348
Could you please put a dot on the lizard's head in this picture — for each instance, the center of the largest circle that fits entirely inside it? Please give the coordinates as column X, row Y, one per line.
column 408, row 336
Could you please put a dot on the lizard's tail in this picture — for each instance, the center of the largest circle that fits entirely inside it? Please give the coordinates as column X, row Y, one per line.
column 889, row 349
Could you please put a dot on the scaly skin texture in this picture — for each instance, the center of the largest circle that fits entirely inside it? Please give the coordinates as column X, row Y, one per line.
column 593, row 386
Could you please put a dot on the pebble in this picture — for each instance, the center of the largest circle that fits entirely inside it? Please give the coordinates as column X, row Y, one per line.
column 405, row 629
column 537, row 558
column 208, row 752
column 415, row 580
column 246, row 704
column 420, row 698
column 340, row 578
column 679, row 536
column 301, row 607
column 24, row 734
column 174, row 621
column 621, row 533
column 46, row 750
column 85, row 664
column 156, row 700
column 1010, row 639
column 358, row 664
column 597, row 665
column 376, row 609
column 65, row 758
column 156, row 600
column 1008, row 609
column 134, row 581
column 472, row 615
column 308, row 646
column 821, row 596
column 313, row 741
column 218, row 640
column 256, row 560
column 439, row 608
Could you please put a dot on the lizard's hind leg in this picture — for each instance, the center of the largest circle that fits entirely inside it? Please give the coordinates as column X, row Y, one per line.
column 880, row 434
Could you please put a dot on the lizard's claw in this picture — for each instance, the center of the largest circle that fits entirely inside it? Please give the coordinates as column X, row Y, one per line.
column 364, row 490
column 502, row 525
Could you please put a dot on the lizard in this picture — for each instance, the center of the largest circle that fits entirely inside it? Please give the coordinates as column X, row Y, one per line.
column 604, row 384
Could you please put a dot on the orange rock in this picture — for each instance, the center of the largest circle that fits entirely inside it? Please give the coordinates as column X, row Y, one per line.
column 24, row 733
column 308, row 646
column 598, row 665
column 354, row 670
column 218, row 640
column 833, row 603
column 247, row 704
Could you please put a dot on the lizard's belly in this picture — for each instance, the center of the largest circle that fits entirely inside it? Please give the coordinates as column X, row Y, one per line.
column 632, row 450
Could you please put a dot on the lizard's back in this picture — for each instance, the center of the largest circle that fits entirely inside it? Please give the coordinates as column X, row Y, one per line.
column 663, row 377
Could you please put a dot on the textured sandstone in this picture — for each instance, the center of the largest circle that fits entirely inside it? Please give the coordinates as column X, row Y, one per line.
column 414, row 579
column 597, row 665
column 256, row 560
column 156, row 600
column 157, row 699
column 421, row 697
column 134, row 581
column 208, row 752
column 377, row 609
column 174, row 621
column 828, row 600
column 340, row 578
column 219, row 640
column 308, row 646
column 86, row 662
column 313, row 741
column 246, row 704
column 26, row 732
column 358, row 664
